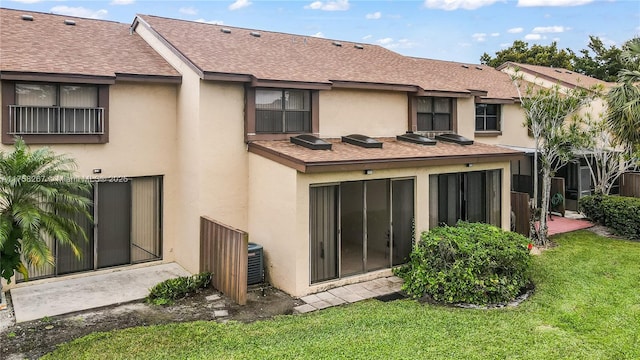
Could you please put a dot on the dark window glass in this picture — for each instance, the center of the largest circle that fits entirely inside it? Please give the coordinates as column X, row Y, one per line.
column 487, row 117
column 280, row 111
column 434, row 114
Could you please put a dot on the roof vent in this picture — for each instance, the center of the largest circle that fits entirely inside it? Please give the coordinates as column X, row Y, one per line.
column 358, row 46
column 226, row 30
column 478, row 67
column 568, row 72
column 337, row 43
column 416, row 139
column 454, row 138
column 465, row 66
column 70, row 22
column 362, row 141
column 255, row 34
column 558, row 71
column 27, row 17
column 311, row 142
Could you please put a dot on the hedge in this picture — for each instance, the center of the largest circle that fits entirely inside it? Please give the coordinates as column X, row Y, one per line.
column 620, row 214
column 468, row 263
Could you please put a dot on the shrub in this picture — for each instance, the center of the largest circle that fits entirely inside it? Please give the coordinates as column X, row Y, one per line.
column 172, row 289
column 591, row 206
column 621, row 214
column 468, row 263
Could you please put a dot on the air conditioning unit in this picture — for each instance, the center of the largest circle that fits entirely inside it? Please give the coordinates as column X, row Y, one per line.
column 255, row 274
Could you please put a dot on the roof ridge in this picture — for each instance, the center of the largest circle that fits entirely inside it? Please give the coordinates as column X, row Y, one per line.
column 26, row 12
column 270, row 32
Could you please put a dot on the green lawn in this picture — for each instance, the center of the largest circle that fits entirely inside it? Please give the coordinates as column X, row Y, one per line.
column 586, row 306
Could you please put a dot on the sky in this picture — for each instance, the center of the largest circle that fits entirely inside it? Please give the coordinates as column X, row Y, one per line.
column 455, row 30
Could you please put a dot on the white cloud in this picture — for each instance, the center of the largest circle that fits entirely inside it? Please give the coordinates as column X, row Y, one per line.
column 79, row 12
column 27, row 1
column 479, row 37
column 495, row 34
column 374, row 16
column 515, row 30
column 121, row 2
column 464, row 44
column 319, row 34
column 188, row 10
column 532, row 3
column 367, row 37
column 505, row 45
column 214, row 22
column 533, row 37
column 333, row 5
column 239, row 4
column 389, row 43
column 458, row 4
column 549, row 29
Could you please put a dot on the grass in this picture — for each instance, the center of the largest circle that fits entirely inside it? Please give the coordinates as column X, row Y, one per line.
column 586, row 306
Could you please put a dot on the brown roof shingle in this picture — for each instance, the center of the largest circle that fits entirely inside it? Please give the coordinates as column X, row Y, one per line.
column 564, row 76
column 89, row 48
column 393, row 154
column 296, row 58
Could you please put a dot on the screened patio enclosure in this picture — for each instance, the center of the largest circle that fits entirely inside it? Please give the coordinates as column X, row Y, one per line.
column 360, row 226
column 126, row 229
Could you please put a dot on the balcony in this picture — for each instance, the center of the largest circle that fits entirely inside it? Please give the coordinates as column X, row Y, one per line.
column 53, row 120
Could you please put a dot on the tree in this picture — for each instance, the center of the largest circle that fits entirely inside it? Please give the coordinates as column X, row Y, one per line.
column 546, row 113
column 604, row 65
column 597, row 60
column 39, row 197
column 606, row 162
column 623, row 101
column 520, row 52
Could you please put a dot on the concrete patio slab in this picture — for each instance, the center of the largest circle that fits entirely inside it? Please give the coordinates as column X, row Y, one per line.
column 94, row 291
column 349, row 294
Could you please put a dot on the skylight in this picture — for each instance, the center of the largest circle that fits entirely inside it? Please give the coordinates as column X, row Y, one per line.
column 362, row 141
column 454, row 138
column 311, row 142
column 416, row 139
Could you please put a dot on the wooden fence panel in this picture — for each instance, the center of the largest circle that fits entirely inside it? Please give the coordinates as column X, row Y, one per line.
column 224, row 252
column 630, row 185
column 520, row 213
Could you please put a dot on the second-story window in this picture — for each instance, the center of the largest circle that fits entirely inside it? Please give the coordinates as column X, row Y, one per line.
column 487, row 117
column 283, row 111
column 55, row 109
column 434, row 114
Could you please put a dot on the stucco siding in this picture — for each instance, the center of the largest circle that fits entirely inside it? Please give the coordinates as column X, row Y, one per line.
column 373, row 113
column 274, row 211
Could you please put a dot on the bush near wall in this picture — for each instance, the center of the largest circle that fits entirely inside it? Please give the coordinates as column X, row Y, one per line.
column 619, row 213
column 468, row 263
column 166, row 292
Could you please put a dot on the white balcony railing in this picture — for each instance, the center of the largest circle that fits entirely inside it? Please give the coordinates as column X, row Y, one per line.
column 43, row 120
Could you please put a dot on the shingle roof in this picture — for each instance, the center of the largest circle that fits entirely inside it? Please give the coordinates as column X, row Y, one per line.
column 393, row 154
column 566, row 77
column 287, row 57
column 90, row 47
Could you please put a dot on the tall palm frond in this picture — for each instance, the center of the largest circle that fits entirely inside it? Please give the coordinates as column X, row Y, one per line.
column 39, row 197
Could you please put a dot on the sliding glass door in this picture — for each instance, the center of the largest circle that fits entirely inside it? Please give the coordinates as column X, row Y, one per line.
column 470, row 196
column 360, row 226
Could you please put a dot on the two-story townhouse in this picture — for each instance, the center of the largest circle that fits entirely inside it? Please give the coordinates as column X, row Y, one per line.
column 93, row 90
column 576, row 174
column 302, row 142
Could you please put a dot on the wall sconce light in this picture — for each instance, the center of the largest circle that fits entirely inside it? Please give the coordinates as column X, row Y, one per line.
column 97, row 171
column 368, row 172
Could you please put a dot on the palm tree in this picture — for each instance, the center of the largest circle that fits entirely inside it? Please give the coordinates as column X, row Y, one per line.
column 39, row 197
column 623, row 101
